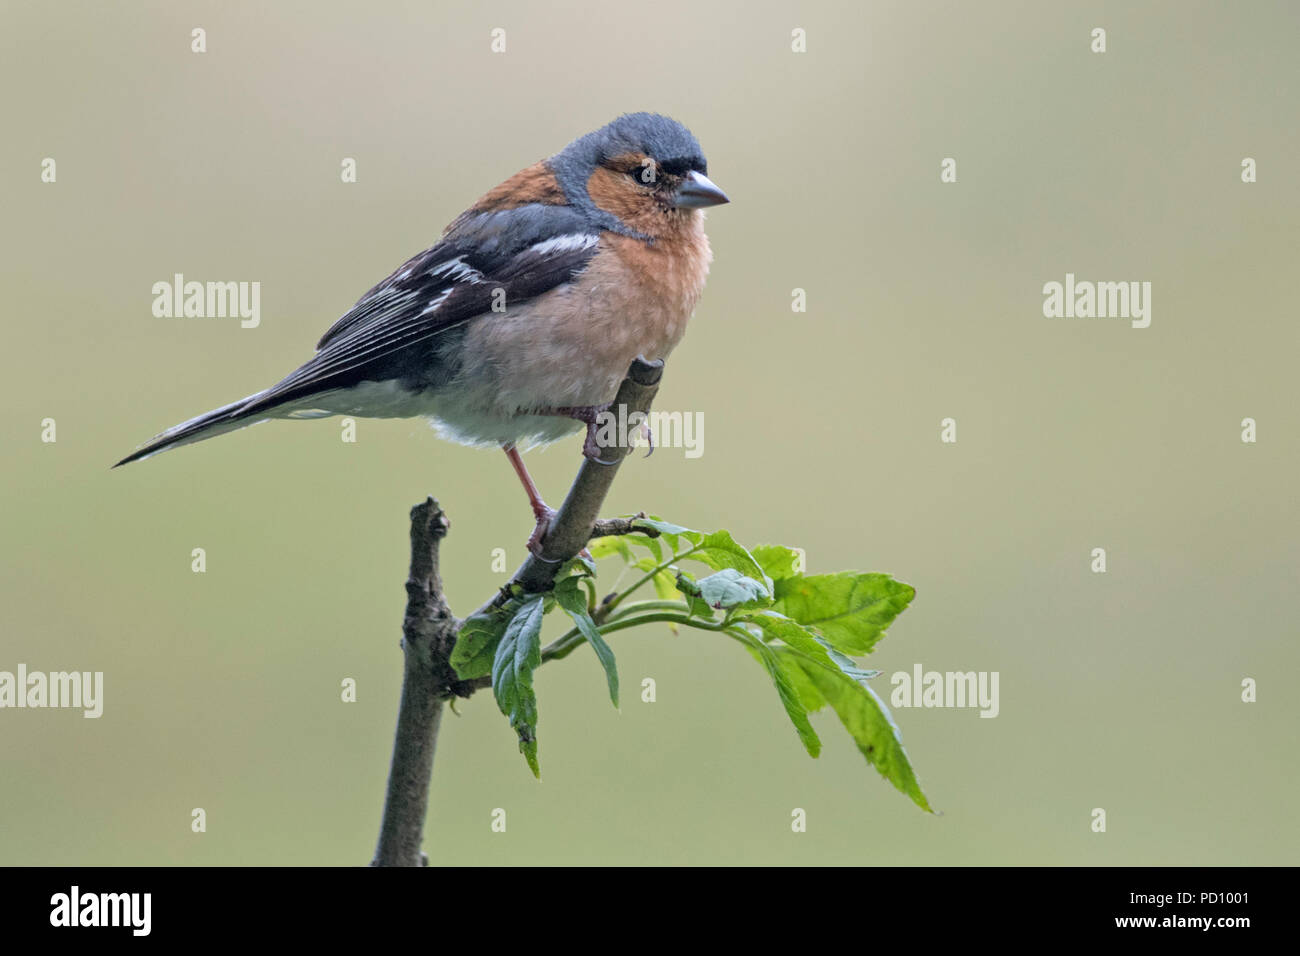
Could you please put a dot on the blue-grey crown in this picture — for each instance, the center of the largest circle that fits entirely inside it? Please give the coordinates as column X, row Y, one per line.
column 659, row 137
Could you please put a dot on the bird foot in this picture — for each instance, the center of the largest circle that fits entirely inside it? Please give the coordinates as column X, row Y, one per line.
column 544, row 516
column 591, row 448
column 589, row 415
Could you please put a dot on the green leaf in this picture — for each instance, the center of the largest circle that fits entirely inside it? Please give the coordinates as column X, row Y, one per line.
column 731, row 589
column 776, row 560
column 791, row 698
column 811, row 645
column 477, row 640
column 609, row 545
column 848, row 665
column 580, row 565
column 653, row 545
column 517, row 656
column 779, row 627
column 809, row 695
column 868, row 721
column 672, row 533
column 719, row 550
column 665, row 584
column 570, row 596
column 851, row 610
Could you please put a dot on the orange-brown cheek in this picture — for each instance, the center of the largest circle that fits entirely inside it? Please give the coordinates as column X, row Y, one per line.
column 617, row 194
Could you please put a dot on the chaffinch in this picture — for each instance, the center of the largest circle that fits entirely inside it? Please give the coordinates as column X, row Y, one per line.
column 517, row 326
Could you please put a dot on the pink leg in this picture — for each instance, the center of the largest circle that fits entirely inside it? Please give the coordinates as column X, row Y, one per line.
column 542, row 512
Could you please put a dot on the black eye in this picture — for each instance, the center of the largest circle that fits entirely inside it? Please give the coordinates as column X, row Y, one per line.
column 644, row 173
column 680, row 167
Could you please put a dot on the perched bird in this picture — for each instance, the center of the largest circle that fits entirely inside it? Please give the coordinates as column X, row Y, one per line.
column 517, row 326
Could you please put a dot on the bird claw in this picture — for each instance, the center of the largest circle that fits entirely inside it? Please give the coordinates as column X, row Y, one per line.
column 591, row 448
column 544, row 518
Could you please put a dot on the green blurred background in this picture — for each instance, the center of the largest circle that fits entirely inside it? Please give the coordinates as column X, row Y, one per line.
column 1119, row 691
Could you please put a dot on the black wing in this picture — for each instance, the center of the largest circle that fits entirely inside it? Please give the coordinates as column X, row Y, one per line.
column 523, row 252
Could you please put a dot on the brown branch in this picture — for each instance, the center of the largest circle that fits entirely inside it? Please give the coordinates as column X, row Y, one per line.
column 429, row 628
column 611, row 526
column 428, row 681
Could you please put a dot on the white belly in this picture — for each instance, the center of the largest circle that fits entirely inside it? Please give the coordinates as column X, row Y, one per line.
column 457, row 415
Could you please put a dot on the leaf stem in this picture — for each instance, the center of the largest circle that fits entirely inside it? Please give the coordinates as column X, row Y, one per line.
column 563, row 646
column 649, row 576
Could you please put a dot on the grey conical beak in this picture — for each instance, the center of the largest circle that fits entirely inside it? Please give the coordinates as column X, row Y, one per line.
column 697, row 191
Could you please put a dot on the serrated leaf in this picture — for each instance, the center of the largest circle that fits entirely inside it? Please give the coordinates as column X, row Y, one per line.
column 570, row 596
column 477, row 640
column 662, row 526
column 669, row 531
column 791, row 699
column 776, row 560
column 528, row 747
column 809, row 643
column 869, row 723
column 851, row 610
column 519, row 654
column 809, row 695
column 731, row 589
column 848, row 665
column 777, row 626
column 719, row 551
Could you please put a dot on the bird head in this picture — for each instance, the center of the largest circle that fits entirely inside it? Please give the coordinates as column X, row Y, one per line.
column 641, row 175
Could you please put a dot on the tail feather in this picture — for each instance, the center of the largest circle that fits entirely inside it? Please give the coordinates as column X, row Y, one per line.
column 227, row 418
